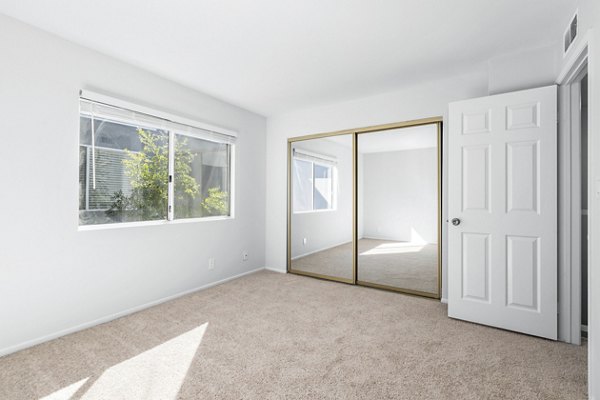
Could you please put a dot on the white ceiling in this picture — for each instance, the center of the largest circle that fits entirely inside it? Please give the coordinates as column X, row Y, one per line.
column 272, row 56
column 414, row 137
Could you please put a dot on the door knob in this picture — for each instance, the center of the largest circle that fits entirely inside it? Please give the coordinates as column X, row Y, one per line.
column 455, row 221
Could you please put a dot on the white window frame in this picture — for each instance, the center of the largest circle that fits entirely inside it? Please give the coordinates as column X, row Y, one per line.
column 171, row 187
column 168, row 117
column 334, row 189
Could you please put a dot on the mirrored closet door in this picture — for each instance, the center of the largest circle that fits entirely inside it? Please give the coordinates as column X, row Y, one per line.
column 364, row 206
column 320, row 223
column 398, row 224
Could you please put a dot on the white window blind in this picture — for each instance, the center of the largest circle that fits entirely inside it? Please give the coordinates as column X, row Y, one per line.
column 135, row 118
column 301, row 154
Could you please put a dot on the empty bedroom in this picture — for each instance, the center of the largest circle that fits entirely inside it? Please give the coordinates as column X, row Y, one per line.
column 300, row 200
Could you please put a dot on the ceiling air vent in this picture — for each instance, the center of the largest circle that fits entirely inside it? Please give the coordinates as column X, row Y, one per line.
column 570, row 34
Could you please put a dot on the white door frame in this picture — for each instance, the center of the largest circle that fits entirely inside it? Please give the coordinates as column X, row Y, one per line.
column 569, row 209
column 580, row 57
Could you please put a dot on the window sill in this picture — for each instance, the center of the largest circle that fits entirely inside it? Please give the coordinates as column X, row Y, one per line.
column 83, row 228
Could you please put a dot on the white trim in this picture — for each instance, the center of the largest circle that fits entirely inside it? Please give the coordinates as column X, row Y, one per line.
column 319, row 250
column 111, row 317
column 116, row 102
column 569, row 270
column 195, row 220
column 87, row 177
column 171, row 178
column 575, row 192
column 576, row 211
column 232, row 172
column 444, row 300
column 564, row 215
column 118, row 225
column 578, row 54
column 280, row 271
column 390, row 239
column 594, row 215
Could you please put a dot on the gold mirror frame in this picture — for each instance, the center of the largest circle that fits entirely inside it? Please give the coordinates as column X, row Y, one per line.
column 355, row 132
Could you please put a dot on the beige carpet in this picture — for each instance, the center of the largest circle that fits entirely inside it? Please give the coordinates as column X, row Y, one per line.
column 398, row 264
column 276, row 336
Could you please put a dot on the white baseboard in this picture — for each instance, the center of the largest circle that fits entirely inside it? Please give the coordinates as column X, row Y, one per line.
column 444, row 300
column 391, row 239
column 321, row 249
column 108, row 318
column 379, row 237
column 281, row 271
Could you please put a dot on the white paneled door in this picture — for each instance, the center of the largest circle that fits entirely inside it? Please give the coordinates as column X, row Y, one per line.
column 502, row 208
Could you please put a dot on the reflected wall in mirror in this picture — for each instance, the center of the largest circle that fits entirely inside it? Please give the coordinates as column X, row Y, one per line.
column 398, row 209
column 321, row 203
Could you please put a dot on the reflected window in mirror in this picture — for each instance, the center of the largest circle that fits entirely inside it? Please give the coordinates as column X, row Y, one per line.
column 314, row 182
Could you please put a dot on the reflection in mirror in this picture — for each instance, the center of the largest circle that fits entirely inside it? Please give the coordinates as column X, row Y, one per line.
column 321, row 202
column 398, row 209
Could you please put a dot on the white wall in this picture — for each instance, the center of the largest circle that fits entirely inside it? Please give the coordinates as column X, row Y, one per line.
column 400, row 195
column 414, row 102
column 53, row 277
column 534, row 68
column 325, row 229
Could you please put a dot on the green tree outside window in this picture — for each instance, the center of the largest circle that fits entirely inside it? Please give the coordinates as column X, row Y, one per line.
column 148, row 171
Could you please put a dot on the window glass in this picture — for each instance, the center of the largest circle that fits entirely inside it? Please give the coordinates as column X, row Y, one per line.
column 312, row 186
column 123, row 174
column 201, row 179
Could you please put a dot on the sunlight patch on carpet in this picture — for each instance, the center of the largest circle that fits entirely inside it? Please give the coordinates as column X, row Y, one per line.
column 67, row 392
column 393, row 248
column 157, row 373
